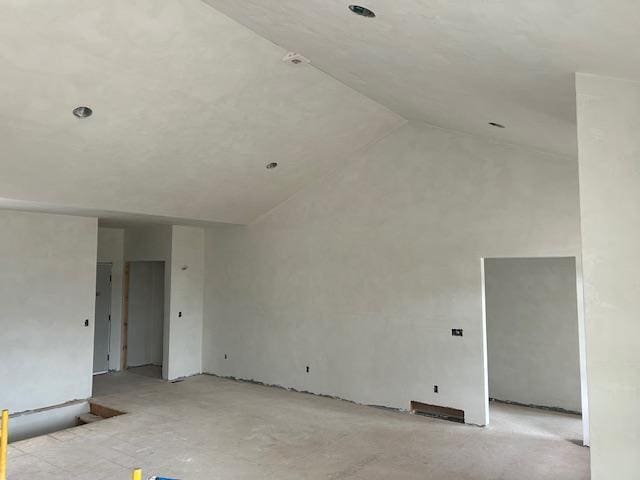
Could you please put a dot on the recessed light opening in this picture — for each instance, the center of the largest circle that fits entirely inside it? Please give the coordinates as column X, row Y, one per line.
column 82, row 112
column 271, row 165
column 362, row 11
column 497, row 125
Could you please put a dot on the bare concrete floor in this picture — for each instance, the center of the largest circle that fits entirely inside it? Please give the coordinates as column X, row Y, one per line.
column 153, row 371
column 211, row 428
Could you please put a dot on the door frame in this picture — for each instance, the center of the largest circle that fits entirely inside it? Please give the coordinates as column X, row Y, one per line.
column 110, row 265
column 125, row 317
column 586, row 432
column 126, row 287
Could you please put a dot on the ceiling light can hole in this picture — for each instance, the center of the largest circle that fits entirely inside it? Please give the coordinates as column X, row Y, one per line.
column 362, row 11
column 82, row 112
column 272, row 165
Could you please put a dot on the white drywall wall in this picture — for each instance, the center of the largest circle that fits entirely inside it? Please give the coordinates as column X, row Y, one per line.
column 111, row 250
column 532, row 331
column 187, row 284
column 146, row 313
column 362, row 275
column 44, row 421
column 47, row 290
column 609, row 144
column 178, row 247
column 148, row 243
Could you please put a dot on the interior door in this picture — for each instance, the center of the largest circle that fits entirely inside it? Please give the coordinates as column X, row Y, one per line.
column 102, row 319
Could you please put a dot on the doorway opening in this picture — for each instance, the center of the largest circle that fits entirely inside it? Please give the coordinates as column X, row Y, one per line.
column 102, row 327
column 534, row 345
column 143, row 325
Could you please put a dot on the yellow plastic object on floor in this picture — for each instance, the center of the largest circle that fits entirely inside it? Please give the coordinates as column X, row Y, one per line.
column 4, row 441
column 137, row 475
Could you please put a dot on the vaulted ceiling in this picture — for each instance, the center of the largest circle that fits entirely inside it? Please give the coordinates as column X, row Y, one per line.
column 189, row 107
column 461, row 64
column 192, row 102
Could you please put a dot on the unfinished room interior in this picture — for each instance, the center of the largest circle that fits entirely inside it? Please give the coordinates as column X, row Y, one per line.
column 311, row 239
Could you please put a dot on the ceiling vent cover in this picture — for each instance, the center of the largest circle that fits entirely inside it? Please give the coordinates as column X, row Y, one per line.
column 294, row 58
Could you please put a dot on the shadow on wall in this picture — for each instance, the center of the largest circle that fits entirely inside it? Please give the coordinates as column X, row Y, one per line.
column 145, row 314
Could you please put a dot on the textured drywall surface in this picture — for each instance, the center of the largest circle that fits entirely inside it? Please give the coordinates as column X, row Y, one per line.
column 363, row 275
column 189, row 107
column 146, row 313
column 47, row 290
column 111, row 250
column 178, row 247
column 148, row 243
column 532, row 331
column 187, row 284
column 608, row 126
column 462, row 64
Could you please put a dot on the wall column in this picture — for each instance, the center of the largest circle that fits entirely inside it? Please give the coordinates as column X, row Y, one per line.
column 609, row 149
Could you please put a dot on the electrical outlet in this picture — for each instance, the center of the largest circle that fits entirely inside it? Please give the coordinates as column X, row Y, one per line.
column 435, row 389
column 225, row 356
column 456, row 332
column 179, row 314
column 307, row 368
